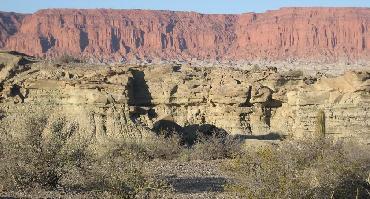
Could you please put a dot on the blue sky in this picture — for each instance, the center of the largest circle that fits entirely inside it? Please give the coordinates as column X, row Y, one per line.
column 204, row 6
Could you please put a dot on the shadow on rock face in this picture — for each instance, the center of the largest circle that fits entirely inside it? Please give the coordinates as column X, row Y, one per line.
column 198, row 184
column 206, row 129
column 273, row 103
column 167, row 126
column 139, row 94
column 190, row 133
column 19, row 54
column 270, row 136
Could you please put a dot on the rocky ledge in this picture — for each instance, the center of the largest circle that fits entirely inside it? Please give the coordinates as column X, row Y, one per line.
column 110, row 101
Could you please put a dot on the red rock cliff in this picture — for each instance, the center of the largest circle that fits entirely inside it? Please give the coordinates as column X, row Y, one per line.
column 302, row 33
column 9, row 25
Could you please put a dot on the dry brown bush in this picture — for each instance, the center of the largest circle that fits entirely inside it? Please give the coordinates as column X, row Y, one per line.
column 52, row 162
column 168, row 146
column 68, row 59
column 163, row 147
column 215, row 147
column 301, row 169
column 45, row 158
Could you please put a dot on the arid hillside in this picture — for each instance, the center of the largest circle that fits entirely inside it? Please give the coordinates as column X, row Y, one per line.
column 328, row 34
column 80, row 130
column 103, row 103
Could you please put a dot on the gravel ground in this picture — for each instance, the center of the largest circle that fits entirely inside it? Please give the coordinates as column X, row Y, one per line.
column 189, row 179
column 192, row 179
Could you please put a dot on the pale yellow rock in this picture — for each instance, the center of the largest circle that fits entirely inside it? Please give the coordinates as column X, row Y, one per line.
column 126, row 101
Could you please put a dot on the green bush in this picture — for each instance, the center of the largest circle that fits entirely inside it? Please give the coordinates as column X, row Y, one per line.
column 299, row 169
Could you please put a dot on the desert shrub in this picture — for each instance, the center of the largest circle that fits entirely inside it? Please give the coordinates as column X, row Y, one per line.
column 32, row 161
column 117, row 170
column 214, row 146
column 299, row 169
column 67, row 59
column 47, row 158
column 170, row 145
column 294, row 73
column 163, row 146
column 186, row 146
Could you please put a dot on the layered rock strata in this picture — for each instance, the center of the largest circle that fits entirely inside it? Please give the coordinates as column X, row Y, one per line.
column 9, row 25
column 110, row 101
column 328, row 34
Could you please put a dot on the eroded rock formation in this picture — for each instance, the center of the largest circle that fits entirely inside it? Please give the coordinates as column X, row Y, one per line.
column 9, row 25
column 301, row 33
column 109, row 101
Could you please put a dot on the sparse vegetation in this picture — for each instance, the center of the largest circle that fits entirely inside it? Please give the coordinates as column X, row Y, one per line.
column 162, row 146
column 67, row 59
column 46, row 158
column 301, row 169
column 320, row 124
column 215, row 147
column 293, row 73
column 50, row 157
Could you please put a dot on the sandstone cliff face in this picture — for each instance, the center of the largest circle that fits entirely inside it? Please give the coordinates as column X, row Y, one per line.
column 113, row 101
column 9, row 25
column 302, row 33
column 130, row 33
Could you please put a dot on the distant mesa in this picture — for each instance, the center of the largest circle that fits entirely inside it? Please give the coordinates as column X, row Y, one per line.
column 302, row 33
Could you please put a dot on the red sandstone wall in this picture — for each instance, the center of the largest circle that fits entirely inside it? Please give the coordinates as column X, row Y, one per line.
column 302, row 33
column 9, row 25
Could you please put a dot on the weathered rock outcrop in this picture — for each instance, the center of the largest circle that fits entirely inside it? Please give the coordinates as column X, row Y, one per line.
column 109, row 101
column 345, row 101
column 303, row 33
column 9, row 25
